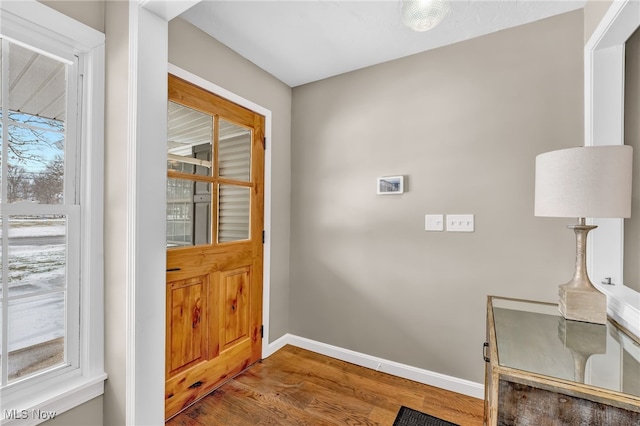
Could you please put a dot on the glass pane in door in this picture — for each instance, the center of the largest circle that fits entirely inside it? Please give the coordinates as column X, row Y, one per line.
column 188, row 213
column 190, row 134
column 234, row 151
column 233, row 213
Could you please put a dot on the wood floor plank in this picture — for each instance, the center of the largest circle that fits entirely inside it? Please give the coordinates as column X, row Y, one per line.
column 292, row 393
column 255, row 410
column 383, row 416
column 393, row 388
column 186, row 421
column 265, row 408
column 335, row 412
column 339, row 378
column 466, row 408
column 295, row 387
column 216, row 409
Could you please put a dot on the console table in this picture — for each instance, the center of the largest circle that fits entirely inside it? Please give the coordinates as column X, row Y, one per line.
column 544, row 370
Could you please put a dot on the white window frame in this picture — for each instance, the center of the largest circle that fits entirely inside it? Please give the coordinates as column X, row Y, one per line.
column 41, row 28
column 604, row 70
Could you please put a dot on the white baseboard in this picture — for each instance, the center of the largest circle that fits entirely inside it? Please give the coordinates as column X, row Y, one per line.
column 419, row 375
column 276, row 345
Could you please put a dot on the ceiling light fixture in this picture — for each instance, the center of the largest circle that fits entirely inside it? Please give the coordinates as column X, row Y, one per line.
column 423, row 15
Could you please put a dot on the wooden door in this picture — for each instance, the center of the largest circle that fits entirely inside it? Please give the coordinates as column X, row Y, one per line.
column 215, row 203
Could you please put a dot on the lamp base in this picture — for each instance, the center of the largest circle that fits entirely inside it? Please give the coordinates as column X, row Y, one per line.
column 582, row 304
column 582, row 340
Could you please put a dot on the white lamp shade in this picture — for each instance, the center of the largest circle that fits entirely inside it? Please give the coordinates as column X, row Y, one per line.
column 593, row 181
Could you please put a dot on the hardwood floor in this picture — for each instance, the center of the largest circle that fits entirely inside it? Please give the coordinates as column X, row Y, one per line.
column 298, row 387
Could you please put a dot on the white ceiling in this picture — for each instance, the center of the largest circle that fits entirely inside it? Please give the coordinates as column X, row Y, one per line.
column 308, row 40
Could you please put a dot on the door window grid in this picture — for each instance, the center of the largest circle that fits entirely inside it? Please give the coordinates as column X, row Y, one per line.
column 191, row 151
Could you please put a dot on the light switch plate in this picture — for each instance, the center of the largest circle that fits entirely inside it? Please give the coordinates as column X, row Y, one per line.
column 434, row 222
column 460, row 223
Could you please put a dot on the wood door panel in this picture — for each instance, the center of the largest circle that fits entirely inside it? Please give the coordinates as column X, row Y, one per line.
column 205, row 259
column 186, row 323
column 187, row 387
column 235, row 287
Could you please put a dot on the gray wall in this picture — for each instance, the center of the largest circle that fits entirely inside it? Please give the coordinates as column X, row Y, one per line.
column 594, row 11
column 464, row 124
column 115, row 215
column 220, row 65
column 90, row 13
column 87, row 414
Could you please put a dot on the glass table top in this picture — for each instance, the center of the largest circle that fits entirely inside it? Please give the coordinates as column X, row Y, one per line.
column 533, row 337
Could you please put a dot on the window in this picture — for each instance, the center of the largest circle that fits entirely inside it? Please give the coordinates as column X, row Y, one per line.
column 38, row 267
column 51, row 125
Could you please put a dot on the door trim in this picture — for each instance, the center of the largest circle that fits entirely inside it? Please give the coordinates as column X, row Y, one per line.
column 604, row 58
column 267, row 349
column 137, row 264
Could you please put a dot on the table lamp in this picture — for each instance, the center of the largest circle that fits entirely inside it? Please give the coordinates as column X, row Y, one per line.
column 595, row 182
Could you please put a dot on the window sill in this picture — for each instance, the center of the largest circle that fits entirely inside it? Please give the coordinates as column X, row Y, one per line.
column 52, row 398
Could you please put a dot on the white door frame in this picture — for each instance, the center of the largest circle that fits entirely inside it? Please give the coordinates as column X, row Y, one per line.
column 604, row 69
column 146, row 204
